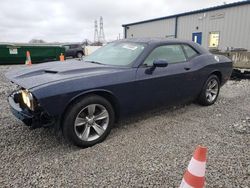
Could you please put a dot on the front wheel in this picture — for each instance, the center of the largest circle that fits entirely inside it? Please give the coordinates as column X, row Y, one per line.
column 79, row 54
column 210, row 91
column 88, row 121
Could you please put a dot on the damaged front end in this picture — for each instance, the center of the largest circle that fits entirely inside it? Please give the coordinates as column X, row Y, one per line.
column 26, row 108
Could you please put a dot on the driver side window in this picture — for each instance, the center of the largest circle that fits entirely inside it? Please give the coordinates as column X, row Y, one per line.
column 170, row 53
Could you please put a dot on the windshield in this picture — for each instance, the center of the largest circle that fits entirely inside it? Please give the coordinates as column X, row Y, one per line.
column 120, row 54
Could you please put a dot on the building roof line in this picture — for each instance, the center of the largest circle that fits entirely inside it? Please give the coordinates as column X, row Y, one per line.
column 191, row 12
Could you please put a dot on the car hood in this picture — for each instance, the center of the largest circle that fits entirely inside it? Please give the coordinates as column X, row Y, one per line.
column 37, row 75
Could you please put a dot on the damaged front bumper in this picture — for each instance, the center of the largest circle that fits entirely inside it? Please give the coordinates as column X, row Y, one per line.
column 34, row 119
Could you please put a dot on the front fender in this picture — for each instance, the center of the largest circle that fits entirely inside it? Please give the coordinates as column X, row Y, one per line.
column 56, row 105
column 107, row 94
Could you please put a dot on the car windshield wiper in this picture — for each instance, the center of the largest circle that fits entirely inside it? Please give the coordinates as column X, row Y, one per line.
column 96, row 62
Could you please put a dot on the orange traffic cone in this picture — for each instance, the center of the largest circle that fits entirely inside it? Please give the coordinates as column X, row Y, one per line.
column 28, row 59
column 195, row 173
column 61, row 57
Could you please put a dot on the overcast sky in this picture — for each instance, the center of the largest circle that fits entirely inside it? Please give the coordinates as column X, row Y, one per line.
column 73, row 20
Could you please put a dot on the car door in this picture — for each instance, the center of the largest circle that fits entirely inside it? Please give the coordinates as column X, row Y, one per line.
column 164, row 85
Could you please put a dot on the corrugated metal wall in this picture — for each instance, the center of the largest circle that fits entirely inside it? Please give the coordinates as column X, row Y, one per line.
column 161, row 28
column 233, row 25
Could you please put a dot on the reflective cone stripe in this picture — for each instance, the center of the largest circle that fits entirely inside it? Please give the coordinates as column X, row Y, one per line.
column 195, row 173
column 28, row 58
column 197, row 168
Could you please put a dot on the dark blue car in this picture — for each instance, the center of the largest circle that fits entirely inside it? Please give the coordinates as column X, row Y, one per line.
column 85, row 97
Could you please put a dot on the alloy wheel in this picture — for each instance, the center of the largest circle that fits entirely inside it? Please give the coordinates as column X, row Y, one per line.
column 212, row 90
column 91, row 122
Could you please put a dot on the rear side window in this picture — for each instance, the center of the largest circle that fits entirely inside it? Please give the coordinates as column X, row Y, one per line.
column 190, row 52
column 170, row 53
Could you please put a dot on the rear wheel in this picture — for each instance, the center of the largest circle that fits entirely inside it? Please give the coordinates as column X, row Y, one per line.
column 210, row 91
column 88, row 121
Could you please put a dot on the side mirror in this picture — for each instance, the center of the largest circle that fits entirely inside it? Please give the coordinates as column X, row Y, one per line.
column 156, row 63
column 160, row 63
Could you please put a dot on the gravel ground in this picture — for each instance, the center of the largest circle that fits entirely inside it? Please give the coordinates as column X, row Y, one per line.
column 150, row 150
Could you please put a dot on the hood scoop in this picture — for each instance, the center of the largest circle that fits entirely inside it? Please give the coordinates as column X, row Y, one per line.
column 50, row 71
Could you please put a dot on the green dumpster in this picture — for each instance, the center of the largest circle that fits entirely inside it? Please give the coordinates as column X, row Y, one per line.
column 16, row 53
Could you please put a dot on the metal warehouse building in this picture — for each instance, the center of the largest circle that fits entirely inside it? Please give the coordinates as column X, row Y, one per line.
column 221, row 27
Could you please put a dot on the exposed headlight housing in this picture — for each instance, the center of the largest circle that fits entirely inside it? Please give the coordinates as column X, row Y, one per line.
column 28, row 99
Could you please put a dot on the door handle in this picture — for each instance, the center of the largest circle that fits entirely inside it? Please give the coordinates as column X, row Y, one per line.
column 187, row 68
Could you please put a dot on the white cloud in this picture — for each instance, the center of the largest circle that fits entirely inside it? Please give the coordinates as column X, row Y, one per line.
column 73, row 20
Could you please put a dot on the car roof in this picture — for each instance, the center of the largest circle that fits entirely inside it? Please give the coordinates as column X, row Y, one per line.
column 158, row 40
column 155, row 40
column 69, row 44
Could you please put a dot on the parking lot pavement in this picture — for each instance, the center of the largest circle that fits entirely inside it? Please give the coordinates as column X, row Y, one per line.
column 151, row 149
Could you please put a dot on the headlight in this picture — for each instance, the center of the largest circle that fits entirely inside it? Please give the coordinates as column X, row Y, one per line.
column 27, row 99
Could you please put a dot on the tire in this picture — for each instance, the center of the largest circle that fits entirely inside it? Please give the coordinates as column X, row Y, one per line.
column 84, row 124
column 210, row 91
column 79, row 55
